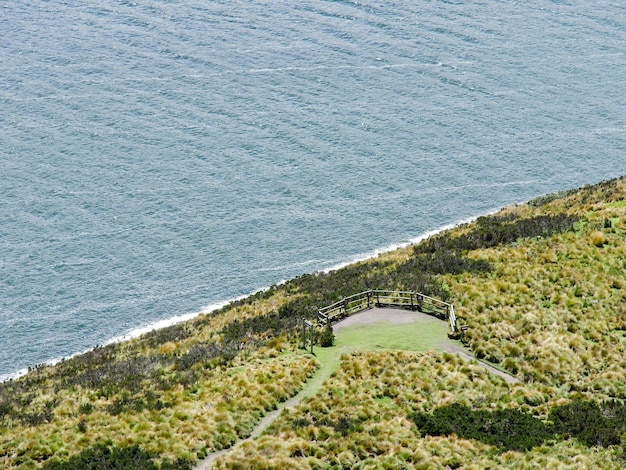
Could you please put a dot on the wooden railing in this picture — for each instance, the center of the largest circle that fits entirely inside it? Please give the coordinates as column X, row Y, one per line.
column 386, row 298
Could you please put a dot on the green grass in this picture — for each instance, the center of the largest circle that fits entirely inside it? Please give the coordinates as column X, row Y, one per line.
column 548, row 306
column 329, row 359
column 421, row 335
column 358, row 419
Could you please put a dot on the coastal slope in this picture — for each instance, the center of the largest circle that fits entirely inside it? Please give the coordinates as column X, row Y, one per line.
column 539, row 288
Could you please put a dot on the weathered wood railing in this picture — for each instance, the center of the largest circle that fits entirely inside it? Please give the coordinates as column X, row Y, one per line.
column 386, row 298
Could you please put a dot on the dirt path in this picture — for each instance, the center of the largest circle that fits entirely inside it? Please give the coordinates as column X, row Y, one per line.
column 331, row 362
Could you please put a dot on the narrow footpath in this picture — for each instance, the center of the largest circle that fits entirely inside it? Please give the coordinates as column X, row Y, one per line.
column 331, row 357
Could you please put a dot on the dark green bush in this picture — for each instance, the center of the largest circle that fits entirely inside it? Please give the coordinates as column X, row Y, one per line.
column 548, row 198
column 592, row 423
column 343, row 425
column 175, row 332
column 82, row 426
column 36, row 418
column 300, row 423
column 108, row 457
column 496, row 230
column 507, row 429
column 447, row 262
column 113, row 375
column 85, row 408
column 6, row 409
column 150, row 401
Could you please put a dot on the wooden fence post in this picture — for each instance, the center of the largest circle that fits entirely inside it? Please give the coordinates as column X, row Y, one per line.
column 307, row 325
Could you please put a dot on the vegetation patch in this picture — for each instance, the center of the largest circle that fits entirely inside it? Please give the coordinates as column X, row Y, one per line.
column 507, row 429
column 326, row 336
column 358, row 419
column 178, row 423
column 595, row 424
column 592, row 423
column 495, row 230
column 548, row 198
column 104, row 457
column 540, row 288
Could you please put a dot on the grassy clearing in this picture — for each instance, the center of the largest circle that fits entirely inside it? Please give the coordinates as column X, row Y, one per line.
column 420, row 335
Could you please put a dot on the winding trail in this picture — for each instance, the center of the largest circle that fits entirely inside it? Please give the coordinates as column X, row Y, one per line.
column 329, row 362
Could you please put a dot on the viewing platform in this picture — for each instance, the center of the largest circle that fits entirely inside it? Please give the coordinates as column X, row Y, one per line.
column 387, row 298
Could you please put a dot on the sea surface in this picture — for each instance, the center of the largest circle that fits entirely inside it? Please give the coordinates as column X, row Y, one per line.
column 161, row 157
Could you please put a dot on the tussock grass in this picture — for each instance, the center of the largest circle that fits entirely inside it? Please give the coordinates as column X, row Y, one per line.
column 540, row 286
column 220, row 408
column 548, row 312
column 377, row 432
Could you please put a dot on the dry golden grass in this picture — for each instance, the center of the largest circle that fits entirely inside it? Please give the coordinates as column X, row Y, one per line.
column 222, row 407
column 376, row 391
column 552, row 312
column 551, row 309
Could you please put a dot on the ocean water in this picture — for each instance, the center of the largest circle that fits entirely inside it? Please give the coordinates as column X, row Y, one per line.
column 160, row 157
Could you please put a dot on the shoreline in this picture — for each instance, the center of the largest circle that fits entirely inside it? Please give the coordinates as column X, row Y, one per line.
column 180, row 318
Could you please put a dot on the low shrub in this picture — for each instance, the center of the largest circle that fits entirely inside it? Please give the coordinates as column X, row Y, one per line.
column 172, row 333
column 342, row 425
column 85, row 408
column 495, row 230
column 508, row 429
column 150, row 400
column 327, row 337
column 592, row 423
column 108, row 457
column 447, row 262
column 548, row 198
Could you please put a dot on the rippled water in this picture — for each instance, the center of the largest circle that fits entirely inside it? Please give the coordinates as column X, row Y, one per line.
column 159, row 157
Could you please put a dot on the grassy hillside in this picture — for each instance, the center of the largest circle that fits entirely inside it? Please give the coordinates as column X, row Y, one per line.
column 364, row 418
column 541, row 288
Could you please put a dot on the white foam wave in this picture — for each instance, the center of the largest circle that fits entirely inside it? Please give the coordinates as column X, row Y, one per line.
column 136, row 332
column 291, row 266
column 340, row 67
column 24, row 371
column 412, row 241
column 13, row 375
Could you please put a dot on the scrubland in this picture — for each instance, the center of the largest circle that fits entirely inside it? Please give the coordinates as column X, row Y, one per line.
column 362, row 418
column 540, row 287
